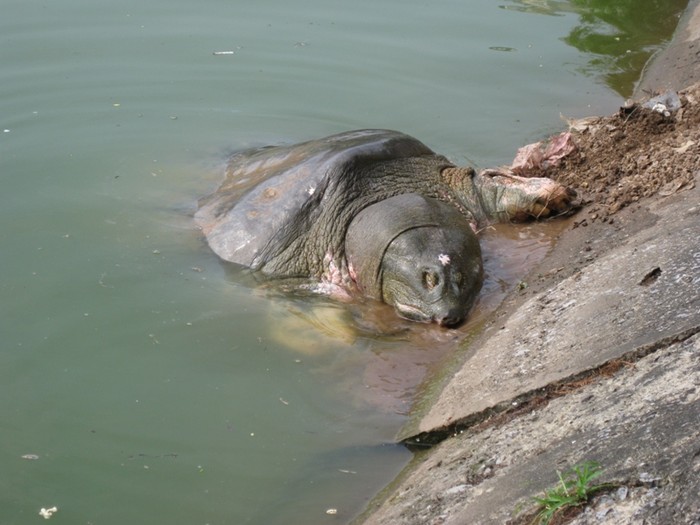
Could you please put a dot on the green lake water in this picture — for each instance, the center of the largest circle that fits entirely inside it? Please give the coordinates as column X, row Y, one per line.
column 139, row 381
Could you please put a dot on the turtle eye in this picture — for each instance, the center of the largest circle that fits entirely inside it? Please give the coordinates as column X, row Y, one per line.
column 458, row 278
column 430, row 280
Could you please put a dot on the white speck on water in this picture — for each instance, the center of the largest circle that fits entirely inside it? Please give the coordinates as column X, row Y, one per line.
column 47, row 513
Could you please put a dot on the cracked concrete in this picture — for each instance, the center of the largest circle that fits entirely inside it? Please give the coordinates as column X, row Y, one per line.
column 643, row 435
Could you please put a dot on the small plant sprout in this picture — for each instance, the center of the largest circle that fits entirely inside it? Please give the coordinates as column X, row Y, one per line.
column 573, row 490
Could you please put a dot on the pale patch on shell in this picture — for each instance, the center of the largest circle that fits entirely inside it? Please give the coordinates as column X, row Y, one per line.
column 444, row 259
column 332, row 273
column 311, row 191
column 352, row 272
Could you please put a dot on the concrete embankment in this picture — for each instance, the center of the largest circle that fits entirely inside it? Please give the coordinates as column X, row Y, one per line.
column 602, row 366
column 678, row 65
column 598, row 359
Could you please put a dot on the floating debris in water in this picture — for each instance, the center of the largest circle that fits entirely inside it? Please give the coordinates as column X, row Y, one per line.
column 47, row 513
column 229, row 52
column 30, row 456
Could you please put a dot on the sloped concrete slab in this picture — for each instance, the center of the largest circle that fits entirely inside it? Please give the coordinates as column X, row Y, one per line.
column 643, row 292
column 677, row 66
column 642, row 426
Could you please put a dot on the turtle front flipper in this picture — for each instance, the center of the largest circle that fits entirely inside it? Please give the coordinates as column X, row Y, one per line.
column 509, row 198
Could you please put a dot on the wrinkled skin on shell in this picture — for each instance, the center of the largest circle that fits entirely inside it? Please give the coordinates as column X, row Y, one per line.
column 287, row 211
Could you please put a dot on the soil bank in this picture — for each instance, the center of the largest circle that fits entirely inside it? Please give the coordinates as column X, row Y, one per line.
column 597, row 356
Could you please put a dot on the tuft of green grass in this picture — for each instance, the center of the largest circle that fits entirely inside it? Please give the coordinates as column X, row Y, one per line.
column 574, row 489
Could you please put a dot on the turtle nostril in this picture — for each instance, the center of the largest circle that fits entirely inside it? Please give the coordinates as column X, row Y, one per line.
column 451, row 319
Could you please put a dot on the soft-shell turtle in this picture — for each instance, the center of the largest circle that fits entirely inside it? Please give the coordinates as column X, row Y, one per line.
column 369, row 212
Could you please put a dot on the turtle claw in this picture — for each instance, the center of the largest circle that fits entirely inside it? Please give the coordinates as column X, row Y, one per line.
column 519, row 199
column 538, row 198
column 556, row 199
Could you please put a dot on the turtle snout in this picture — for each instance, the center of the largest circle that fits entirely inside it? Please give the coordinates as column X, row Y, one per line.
column 451, row 318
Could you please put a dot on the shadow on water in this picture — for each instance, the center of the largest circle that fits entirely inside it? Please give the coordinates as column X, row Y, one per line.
column 620, row 37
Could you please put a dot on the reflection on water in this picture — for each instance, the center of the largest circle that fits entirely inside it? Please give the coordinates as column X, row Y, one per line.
column 620, row 36
column 540, row 7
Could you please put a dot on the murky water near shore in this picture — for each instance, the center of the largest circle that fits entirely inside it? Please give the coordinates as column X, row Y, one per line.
column 139, row 382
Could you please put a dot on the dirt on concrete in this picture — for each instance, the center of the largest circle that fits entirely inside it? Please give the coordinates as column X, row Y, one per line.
column 636, row 153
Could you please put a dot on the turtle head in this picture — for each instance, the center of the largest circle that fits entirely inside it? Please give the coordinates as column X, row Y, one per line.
column 432, row 274
column 419, row 255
